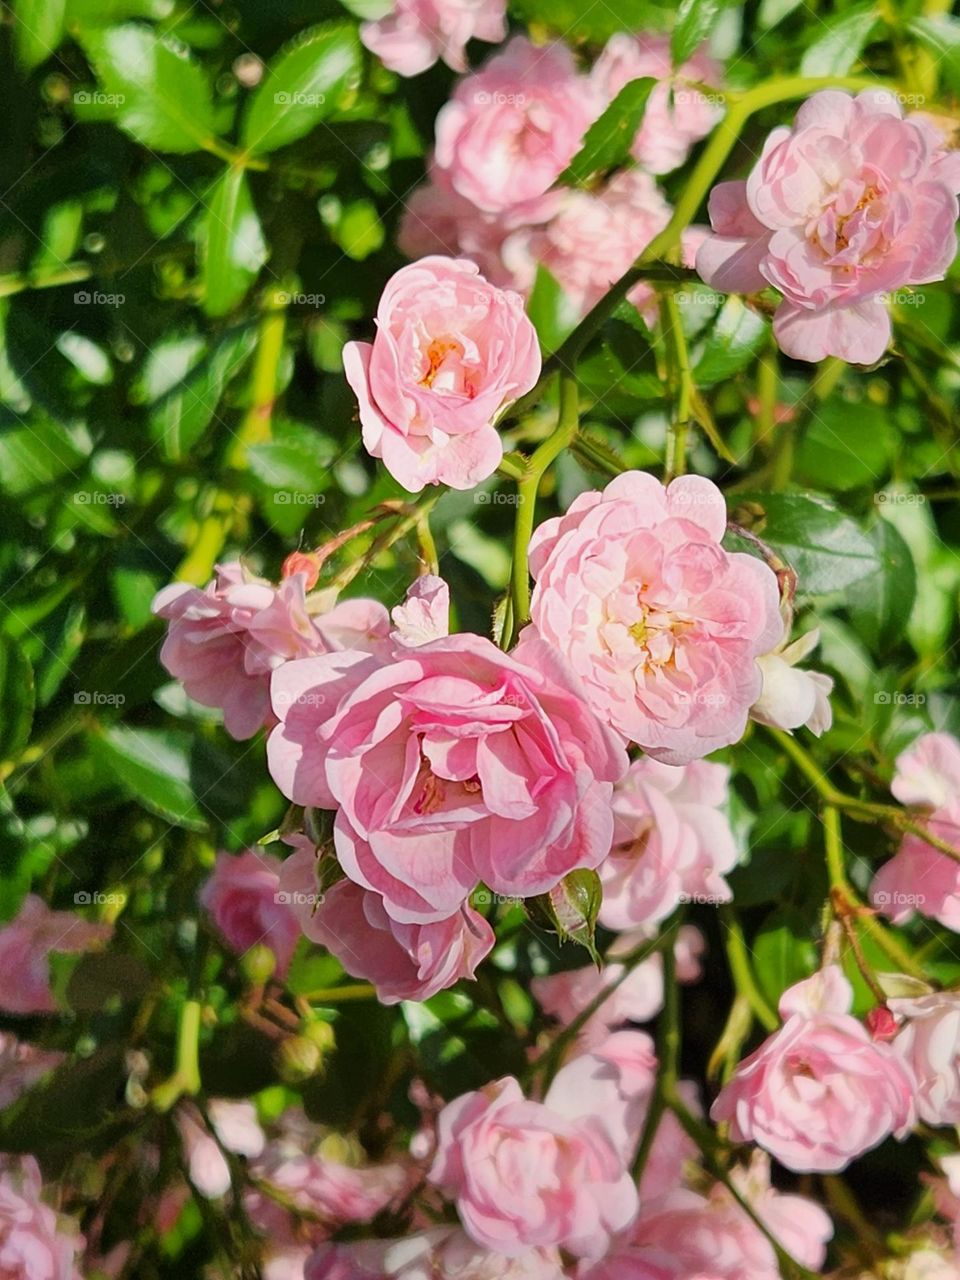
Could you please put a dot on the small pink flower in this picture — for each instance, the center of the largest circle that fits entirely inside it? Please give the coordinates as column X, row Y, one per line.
column 852, row 202
column 451, row 764
column 672, row 842
column 450, row 351
column 676, row 116
column 425, row 612
column 818, row 1092
column 523, row 1175
column 245, row 903
column 793, row 697
column 509, row 131
column 224, row 641
column 443, row 1253
column 34, row 1243
column 403, row 961
column 25, row 947
column 237, row 1129
column 662, row 625
column 920, row 877
column 929, row 1042
column 22, row 1066
column 417, row 32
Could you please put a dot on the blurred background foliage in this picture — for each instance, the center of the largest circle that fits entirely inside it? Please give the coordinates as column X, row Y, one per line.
column 198, row 206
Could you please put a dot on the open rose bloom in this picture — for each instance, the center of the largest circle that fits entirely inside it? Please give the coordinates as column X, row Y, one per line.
column 417, row 32
column 851, row 203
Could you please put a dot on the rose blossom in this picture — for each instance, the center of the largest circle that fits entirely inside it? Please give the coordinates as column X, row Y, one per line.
column 23, row 1065
column 929, row 1042
column 792, row 697
column 236, row 1129
column 451, row 763
column 450, row 351
column 403, row 961
column 675, row 117
column 223, row 641
column 672, row 841
column 242, row 896
column 417, row 32
column 852, row 202
column 524, row 1175
column 920, row 877
column 33, row 1243
column 510, row 130
column 660, row 622
column 818, row 1092
column 25, row 947
column 443, row 1253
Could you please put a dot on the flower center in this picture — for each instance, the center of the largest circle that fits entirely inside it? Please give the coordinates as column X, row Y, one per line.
column 436, row 354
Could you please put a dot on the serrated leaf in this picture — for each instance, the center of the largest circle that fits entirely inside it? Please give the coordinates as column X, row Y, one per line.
column 234, row 247
column 695, row 21
column 37, row 30
column 835, row 51
column 607, row 142
column 302, row 86
column 163, row 98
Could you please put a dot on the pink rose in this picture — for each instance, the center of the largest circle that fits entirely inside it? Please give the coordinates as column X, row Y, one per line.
column 224, row 641
column 22, row 1066
column 403, row 961
column 34, row 1243
column 662, row 624
column 675, row 116
column 443, row 1253
column 425, row 612
column 523, row 1175
column 25, row 947
column 243, row 898
column 450, row 351
column 452, row 763
column 236, row 1129
column 850, row 203
column 510, row 130
column 919, row 877
column 672, row 842
column 929, row 1042
column 417, row 32
column 818, row 1092
column 793, row 697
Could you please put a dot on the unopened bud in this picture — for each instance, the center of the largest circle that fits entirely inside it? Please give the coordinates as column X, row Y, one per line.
column 302, row 562
column 258, row 965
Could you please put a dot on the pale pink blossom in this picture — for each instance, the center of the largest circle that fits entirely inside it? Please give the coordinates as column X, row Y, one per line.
column 919, row 878
column 451, row 764
column 224, row 640
column 850, row 203
column 663, row 626
column 415, row 33
column 425, row 612
column 235, row 1128
column 450, row 351
column 443, row 1253
column 26, row 944
column 23, row 1065
column 403, row 961
column 929, row 1042
column 676, row 114
column 791, row 696
column 524, row 1175
column 244, row 900
column 34, row 1243
column 510, row 130
column 672, row 842
column 818, row 1092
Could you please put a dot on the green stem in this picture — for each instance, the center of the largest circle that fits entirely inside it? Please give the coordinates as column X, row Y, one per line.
column 684, row 389
column 339, row 995
column 668, row 1054
column 741, row 970
column 411, row 520
column 186, row 1074
column 19, row 282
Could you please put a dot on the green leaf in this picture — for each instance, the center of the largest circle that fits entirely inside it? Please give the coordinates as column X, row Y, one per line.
column 835, row 51
column 234, row 247
column 940, row 36
column 570, row 909
column 302, row 86
column 549, row 310
column 773, row 12
column 153, row 765
column 827, row 548
column 880, row 605
column 731, row 344
column 848, row 445
column 695, row 21
column 17, row 699
column 38, row 30
column 607, row 142
column 783, row 953
column 163, row 99
column 35, row 455
column 574, row 18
